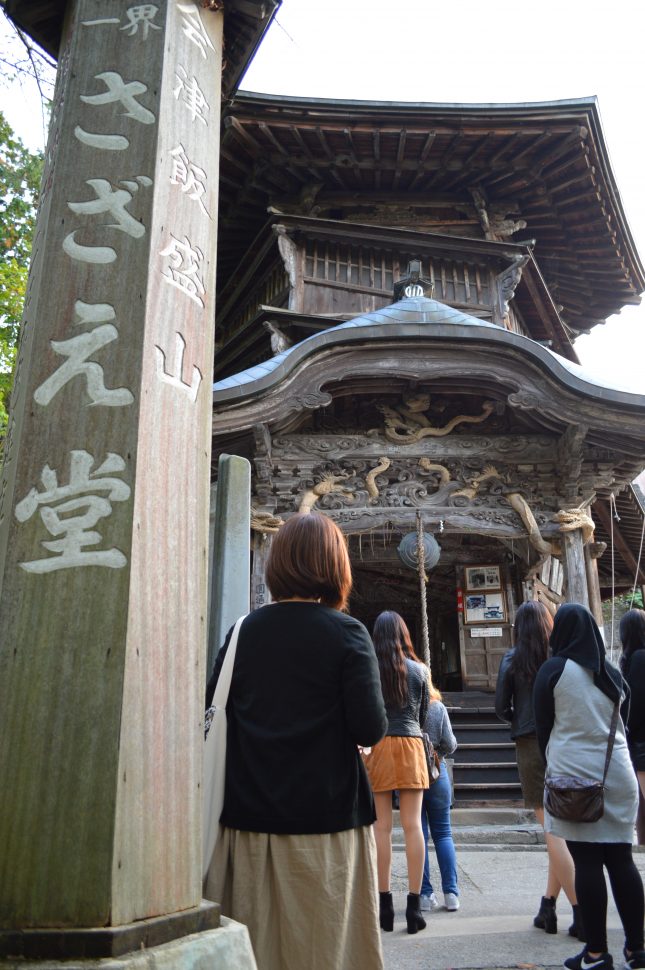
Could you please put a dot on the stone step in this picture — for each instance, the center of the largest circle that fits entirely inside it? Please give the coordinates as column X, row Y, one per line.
column 489, row 827
column 484, row 753
column 472, row 772
column 481, row 733
column 458, row 718
column 492, row 816
column 484, row 792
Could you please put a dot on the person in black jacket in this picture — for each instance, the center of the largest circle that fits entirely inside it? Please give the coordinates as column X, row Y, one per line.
column 514, row 703
column 296, row 858
column 632, row 664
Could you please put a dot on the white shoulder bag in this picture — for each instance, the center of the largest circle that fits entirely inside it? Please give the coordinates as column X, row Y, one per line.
column 214, row 778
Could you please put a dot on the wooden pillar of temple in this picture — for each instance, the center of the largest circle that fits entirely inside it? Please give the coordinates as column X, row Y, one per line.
column 260, row 546
column 575, row 568
column 593, row 583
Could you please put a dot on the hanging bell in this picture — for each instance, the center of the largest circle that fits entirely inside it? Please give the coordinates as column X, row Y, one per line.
column 408, row 550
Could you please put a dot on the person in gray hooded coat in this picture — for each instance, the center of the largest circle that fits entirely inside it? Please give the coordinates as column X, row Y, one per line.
column 574, row 697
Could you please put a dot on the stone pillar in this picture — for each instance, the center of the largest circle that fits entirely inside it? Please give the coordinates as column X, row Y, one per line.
column 575, row 568
column 230, row 568
column 211, row 547
column 105, row 488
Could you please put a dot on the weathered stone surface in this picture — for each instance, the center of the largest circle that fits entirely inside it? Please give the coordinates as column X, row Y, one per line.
column 230, row 567
column 227, row 948
column 108, row 941
column 104, row 501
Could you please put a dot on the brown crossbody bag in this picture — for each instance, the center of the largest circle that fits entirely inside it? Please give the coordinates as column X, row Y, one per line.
column 574, row 799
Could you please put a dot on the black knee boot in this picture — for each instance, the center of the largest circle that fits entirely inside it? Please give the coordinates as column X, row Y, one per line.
column 576, row 928
column 413, row 915
column 386, row 911
column 546, row 919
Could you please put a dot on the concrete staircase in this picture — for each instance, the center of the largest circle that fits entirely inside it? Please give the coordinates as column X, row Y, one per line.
column 485, row 767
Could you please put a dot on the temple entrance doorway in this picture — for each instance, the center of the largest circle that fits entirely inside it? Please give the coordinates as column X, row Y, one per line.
column 472, row 595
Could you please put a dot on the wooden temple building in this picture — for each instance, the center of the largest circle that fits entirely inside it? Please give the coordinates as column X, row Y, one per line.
column 399, row 289
column 400, row 286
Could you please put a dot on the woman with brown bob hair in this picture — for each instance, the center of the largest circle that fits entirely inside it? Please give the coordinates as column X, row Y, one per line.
column 309, row 560
column 296, row 860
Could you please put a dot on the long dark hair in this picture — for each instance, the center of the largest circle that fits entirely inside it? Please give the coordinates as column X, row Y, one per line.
column 393, row 644
column 533, row 625
column 632, row 636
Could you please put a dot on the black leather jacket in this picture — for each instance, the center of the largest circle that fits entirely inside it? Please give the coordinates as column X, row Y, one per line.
column 406, row 721
column 514, row 701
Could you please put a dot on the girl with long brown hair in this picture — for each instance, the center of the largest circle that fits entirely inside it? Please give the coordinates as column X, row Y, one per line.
column 398, row 763
column 514, row 703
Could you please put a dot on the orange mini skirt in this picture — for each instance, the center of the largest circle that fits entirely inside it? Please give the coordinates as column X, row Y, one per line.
column 397, row 763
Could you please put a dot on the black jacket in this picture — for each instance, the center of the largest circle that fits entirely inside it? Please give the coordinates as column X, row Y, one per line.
column 635, row 676
column 514, row 699
column 305, row 692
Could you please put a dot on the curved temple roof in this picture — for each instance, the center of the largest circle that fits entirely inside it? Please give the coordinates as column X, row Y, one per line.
column 413, row 318
column 547, row 162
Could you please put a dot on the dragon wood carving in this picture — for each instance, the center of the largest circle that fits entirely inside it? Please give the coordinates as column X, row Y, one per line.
column 578, row 518
column 265, row 521
column 432, row 466
column 407, row 422
column 370, row 478
column 569, row 519
column 476, row 483
column 519, row 504
column 329, row 483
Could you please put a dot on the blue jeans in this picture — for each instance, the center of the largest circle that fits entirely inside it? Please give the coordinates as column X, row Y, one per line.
column 435, row 810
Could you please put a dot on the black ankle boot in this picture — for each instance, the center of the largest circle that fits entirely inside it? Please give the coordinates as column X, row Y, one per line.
column 386, row 911
column 546, row 919
column 413, row 915
column 576, row 928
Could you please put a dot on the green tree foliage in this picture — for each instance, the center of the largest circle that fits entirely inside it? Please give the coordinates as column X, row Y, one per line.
column 20, row 174
column 618, row 607
column 627, row 600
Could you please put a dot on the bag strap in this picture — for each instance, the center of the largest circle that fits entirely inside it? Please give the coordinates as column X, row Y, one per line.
column 220, row 697
column 610, row 740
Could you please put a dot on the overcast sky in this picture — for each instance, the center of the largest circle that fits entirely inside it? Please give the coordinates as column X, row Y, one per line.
column 467, row 51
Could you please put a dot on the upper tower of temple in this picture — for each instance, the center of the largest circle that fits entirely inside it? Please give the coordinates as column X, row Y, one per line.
column 511, row 212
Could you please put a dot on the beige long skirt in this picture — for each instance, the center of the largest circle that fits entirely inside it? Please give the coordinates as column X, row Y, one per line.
column 309, row 901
